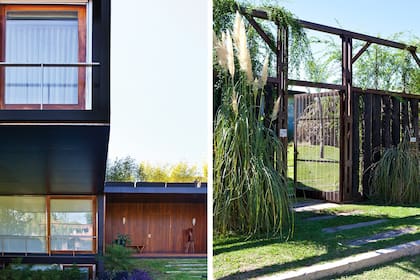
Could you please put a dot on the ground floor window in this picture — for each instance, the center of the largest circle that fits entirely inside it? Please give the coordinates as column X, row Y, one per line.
column 47, row 224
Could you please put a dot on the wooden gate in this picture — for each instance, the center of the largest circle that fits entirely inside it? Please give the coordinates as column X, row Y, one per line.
column 317, row 145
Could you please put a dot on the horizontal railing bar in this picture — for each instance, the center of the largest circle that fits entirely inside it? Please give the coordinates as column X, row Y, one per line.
column 78, row 64
column 385, row 92
column 315, row 84
column 318, row 160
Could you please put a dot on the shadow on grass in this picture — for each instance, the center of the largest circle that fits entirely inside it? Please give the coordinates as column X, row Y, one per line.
column 311, row 232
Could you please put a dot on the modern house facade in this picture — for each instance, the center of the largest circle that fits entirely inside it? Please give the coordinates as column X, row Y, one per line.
column 54, row 122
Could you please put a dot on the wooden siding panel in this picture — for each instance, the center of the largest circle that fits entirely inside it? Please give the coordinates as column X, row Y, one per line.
column 166, row 223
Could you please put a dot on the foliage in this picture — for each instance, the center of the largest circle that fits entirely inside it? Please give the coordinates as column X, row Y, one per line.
column 379, row 67
column 122, row 239
column 396, row 176
column 223, row 18
column 250, row 192
column 127, row 170
column 25, row 272
column 117, row 259
column 121, row 170
column 176, row 173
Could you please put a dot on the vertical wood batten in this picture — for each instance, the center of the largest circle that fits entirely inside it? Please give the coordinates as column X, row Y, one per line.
column 395, row 121
column 367, row 148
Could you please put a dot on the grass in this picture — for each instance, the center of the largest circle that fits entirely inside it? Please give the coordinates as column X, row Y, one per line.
column 320, row 176
column 235, row 257
column 158, row 268
column 406, row 268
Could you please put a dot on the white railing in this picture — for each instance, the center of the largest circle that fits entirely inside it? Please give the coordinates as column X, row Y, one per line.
column 54, row 86
column 21, row 244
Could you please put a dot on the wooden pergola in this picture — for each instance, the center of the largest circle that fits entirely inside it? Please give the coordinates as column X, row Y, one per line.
column 349, row 95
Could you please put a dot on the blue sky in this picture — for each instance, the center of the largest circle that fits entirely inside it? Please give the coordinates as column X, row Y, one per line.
column 372, row 17
column 159, row 80
column 161, row 67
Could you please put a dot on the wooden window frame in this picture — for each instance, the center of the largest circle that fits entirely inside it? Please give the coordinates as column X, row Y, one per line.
column 48, row 210
column 82, row 27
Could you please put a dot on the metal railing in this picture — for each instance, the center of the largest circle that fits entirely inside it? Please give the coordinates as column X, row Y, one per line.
column 44, row 86
column 23, row 244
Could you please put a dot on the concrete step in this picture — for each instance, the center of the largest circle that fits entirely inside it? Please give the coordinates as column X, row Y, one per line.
column 328, row 217
column 314, row 206
column 352, row 226
column 349, row 264
column 381, row 236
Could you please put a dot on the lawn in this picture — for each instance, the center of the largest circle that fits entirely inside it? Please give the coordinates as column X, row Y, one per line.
column 235, row 257
column 187, row 269
column 406, row 268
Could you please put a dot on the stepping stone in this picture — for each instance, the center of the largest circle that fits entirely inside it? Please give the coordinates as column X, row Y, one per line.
column 349, row 264
column 317, row 206
column 352, row 226
column 381, row 236
column 328, row 217
column 186, row 264
column 190, row 272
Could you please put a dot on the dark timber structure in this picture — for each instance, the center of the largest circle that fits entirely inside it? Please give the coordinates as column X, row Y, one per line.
column 386, row 114
column 53, row 153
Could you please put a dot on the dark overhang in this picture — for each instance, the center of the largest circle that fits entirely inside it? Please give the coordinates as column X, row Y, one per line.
column 38, row 159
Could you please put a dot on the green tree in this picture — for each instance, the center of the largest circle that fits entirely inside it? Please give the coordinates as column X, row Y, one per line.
column 121, row 170
column 153, row 173
column 182, row 172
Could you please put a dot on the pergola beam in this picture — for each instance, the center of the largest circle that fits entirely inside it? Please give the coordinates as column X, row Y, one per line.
column 333, row 30
column 416, row 58
column 261, row 32
column 360, row 52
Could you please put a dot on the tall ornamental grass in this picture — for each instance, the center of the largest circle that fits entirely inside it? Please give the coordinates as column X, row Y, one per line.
column 250, row 192
column 396, row 176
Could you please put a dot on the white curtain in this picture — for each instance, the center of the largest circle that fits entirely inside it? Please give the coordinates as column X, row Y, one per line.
column 41, row 40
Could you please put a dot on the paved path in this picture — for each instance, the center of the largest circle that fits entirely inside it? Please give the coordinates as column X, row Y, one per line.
column 349, row 264
column 352, row 226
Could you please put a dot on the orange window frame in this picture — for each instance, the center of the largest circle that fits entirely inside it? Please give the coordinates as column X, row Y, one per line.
column 94, row 243
column 81, row 15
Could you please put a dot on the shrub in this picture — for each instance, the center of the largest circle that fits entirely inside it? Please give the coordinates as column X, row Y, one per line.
column 396, row 176
column 118, row 259
column 25, row 273
column 250, row 192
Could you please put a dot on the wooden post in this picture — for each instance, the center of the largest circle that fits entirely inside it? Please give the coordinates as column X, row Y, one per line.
column 347, row 119
column 282, row 62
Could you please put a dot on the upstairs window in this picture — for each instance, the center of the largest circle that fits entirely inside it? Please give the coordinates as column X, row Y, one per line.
column 35, row 39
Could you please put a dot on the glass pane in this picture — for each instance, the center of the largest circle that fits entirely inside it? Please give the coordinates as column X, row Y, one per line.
column 23, row 224
column 41, row 37
column 71, row 224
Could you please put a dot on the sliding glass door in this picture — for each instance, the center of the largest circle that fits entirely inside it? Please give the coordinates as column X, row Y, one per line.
column 72, row 225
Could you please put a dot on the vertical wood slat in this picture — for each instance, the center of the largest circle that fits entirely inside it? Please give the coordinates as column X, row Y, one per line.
column 404, row 117
column 367, row 148
column 376, row 127
column 386, row 120
column 356, row 146
column 395, row 121
column 414, row 105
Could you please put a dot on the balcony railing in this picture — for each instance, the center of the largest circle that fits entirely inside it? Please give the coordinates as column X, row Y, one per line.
column 21, row 244
column 46, row 86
